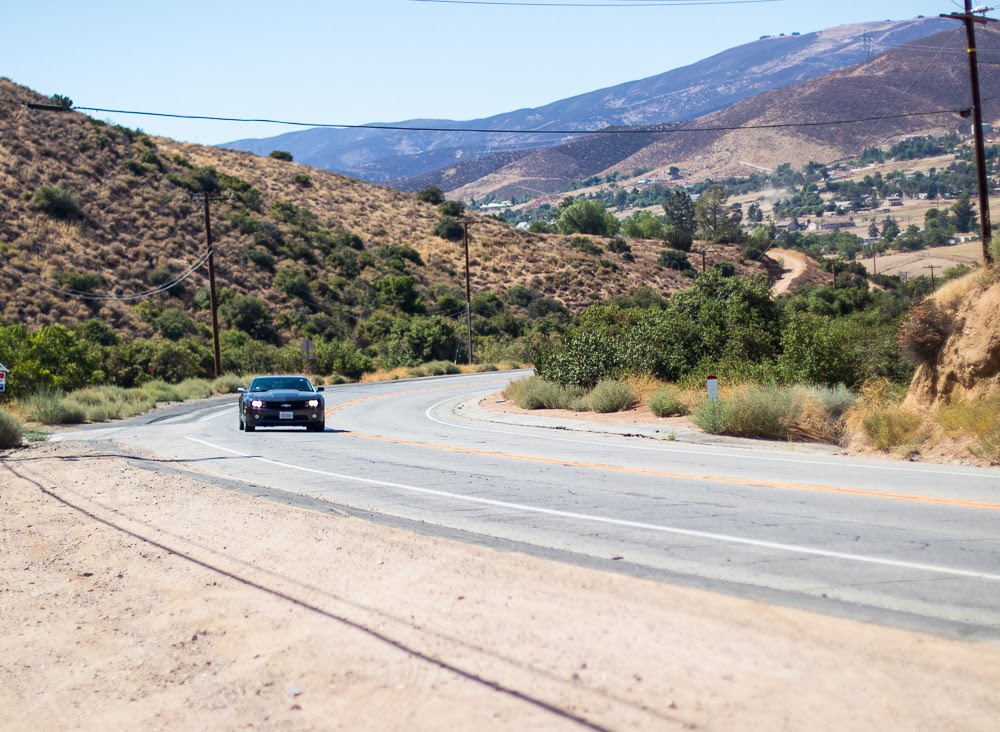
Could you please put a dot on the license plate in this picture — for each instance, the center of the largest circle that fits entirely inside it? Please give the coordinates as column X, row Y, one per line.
column 286, row 415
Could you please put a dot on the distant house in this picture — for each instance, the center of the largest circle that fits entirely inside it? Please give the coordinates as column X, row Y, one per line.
column 828, row 225
column 894, row 200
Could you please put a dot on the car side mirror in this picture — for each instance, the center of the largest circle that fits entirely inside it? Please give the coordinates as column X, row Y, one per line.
column 320, row 388
column 241, row 390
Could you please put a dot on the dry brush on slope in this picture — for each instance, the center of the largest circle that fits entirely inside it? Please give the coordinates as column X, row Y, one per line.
column 127, row 224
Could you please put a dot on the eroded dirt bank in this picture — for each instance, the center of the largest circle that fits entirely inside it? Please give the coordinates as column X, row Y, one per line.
column 176, row 605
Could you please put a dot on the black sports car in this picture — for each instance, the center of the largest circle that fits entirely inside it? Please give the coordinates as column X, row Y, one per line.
column 280, row 401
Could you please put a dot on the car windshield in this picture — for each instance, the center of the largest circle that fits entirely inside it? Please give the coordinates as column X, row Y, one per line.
column 271, row 383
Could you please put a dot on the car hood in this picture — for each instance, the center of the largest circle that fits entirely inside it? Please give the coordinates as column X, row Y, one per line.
column 284, row 395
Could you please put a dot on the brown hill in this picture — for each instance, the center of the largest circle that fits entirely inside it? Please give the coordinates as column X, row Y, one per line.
column 128, row 227
column 928, row 75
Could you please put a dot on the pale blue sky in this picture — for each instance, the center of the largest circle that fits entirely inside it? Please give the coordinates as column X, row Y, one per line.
column 375, row 60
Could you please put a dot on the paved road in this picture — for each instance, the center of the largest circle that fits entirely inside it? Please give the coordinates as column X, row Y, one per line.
column 906, row 544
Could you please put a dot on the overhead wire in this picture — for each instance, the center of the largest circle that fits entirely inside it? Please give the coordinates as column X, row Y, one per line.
column 658, row 130
column 622, row 4
column 84, row 295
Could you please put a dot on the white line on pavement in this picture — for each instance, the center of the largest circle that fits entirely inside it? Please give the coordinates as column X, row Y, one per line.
column 792, row 548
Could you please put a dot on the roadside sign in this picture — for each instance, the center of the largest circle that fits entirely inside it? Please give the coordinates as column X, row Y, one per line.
column 308, row 349
column 3, row 377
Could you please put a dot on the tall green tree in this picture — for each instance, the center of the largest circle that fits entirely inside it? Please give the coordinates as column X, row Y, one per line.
column 963, row 213
column 714, row 219
column 587, row 217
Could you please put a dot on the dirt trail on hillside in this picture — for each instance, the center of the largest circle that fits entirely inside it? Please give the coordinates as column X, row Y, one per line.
column 136, row 600
column 795, row 264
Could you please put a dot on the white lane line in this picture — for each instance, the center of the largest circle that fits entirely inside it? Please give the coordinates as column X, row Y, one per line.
column 792, row 548
column 668, row 449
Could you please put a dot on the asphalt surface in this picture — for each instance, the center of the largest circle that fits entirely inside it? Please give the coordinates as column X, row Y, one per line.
column 906, row 544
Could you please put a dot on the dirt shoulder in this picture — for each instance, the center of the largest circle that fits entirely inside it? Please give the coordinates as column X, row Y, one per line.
column 132, row 599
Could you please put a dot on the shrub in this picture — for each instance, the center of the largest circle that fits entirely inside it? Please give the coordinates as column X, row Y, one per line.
column 160, row 391
column 52, row 407
column 85, row 282
column 924, row 331
column 281, row 155
column 537, row 393
column 767, row 412
column 674, row 259
column 612, row 396
column 587, row 217
column 709, row 415
column 226, row 384
column 302, row 179
column 448, row 228
column 57, row 202
column 103, row 403
column 451, row 208
column 667, row 403
column 431, row 194
column 440, row 368
column 194, row 389
column 893, row 426
column 11, row 430
column 261, row 257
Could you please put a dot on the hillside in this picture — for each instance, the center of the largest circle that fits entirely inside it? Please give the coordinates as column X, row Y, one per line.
column 681, row 94
column 322, row 251
column 929, row 75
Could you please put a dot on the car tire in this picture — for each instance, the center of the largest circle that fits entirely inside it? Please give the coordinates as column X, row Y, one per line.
column 316, row 427
column 247, row 427
column 241, row 424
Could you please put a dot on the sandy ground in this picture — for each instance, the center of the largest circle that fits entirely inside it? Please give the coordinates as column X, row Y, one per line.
column 134, row 600
column 795, row 264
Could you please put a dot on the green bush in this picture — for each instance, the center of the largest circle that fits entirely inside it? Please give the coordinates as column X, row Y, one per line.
column 666, row 403
column 893, row 426
column 227, row 384
column 281, row 155
column 57, row 202
column 674, row 259
column 11, row 430
column 611, row 396
column 161, row 391
column 768, row 411
column 451, row 208
column 448, row 228
column 85, row 282
column 710, row 416
column 52, row 407
column 441, row 368
column 537, row 393
column 431, row 194
column 194, row 389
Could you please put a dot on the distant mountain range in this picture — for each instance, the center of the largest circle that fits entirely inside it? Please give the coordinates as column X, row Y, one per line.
column 385, row 156
column 889, row 93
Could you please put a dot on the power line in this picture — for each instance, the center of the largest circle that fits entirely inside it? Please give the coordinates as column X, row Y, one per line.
column 518, row 131
column 622, row 4
column 83, row 295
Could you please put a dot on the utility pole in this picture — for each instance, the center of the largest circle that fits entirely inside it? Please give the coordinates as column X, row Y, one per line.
column 970, row 20
column 702, row 253
column 206, row 198
column 932, row 267
column 468, row 288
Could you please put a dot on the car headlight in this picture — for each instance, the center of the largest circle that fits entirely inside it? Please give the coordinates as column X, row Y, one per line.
column 256, row 403
column 313, row 403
